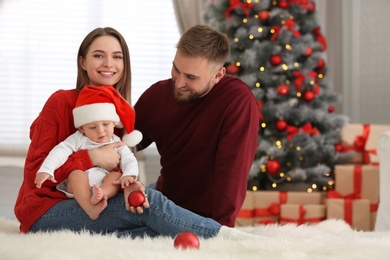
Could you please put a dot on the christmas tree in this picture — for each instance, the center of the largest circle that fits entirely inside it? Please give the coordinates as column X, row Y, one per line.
column 279, row 52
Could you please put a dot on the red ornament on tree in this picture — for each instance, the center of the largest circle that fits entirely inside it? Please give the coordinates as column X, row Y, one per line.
column 339, row 147
column 273, row 167
column 283, row 90
column 308, row 96
column 283, row 4
column 308, row 52
column 320, row 64
column 311, row 6
column 331, row 109
column 232, row 69
column 275, row 60
column 281, row 125
column 263, row 15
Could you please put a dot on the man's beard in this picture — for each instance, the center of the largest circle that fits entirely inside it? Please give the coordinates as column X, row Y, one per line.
column 193, row 95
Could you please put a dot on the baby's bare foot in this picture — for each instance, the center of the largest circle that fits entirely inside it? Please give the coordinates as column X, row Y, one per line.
column 95, row 211
column 97, row 195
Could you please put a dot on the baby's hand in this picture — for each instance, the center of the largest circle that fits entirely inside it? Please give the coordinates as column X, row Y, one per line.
column 125, row 181
column 42, row 177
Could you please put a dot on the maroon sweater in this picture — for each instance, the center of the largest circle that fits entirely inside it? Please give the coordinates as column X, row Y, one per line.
column 206, row 146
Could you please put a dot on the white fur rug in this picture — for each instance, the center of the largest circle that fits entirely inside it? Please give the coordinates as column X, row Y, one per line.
column 331, row 239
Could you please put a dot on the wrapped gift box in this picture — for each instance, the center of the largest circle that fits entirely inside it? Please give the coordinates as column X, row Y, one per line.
column 358, row 181
column 362, row 138
column 268, row 203
column 246, row 214
column 354, row 212
column 301, row 214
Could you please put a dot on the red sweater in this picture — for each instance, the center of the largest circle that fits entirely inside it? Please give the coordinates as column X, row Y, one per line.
column 207, row 146
column 52, row 126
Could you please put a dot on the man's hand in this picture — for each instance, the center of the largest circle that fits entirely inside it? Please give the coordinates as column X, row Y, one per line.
column 134, row 186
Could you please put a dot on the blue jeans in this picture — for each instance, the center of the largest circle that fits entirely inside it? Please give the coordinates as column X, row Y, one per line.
column 162, row 218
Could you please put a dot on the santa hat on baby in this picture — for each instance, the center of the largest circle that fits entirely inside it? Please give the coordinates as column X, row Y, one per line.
column 105, row 103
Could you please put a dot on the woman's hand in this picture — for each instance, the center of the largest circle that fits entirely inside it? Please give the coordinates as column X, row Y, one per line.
column 135, row 186
column 106, row 156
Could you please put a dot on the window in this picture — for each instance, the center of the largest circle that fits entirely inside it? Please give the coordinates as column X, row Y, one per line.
column 39, row 43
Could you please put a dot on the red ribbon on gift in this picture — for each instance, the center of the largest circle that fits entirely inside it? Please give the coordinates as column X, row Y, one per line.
column 246, row 213
column 359, row 145
column 272, row 210
column 332, row 194
column 348, row 211
column 358, row 183
column 301, row 219
column 236, row 4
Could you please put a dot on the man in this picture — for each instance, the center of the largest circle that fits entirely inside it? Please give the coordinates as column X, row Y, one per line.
column 205, row 126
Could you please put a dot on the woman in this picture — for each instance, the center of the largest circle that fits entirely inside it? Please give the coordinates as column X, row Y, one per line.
column 103, row 59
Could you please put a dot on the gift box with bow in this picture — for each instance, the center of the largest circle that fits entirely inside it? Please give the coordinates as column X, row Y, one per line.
column 362, row 138
column 355, row 212
column 302, row 214
column 268, row 203
column 358, row 182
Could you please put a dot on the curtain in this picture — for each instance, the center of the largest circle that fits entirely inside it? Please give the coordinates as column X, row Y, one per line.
column 38, row 52
column 188, row 13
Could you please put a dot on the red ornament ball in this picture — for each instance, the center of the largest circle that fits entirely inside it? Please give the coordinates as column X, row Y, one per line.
column 283, row 90
column 263, row 15
column 311, row 6
column 186, row 240
column 232, row 69
column 331, row 109
column 308, row 52
column 339, row 147
column 273, row 167
column 275, row 60
column 308, row 96
column 136, row 198
column 320, row 64
column 281, row 125
column 283, row 4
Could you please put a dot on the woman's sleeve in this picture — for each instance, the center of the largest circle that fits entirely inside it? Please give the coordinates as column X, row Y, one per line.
column 53, row 125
